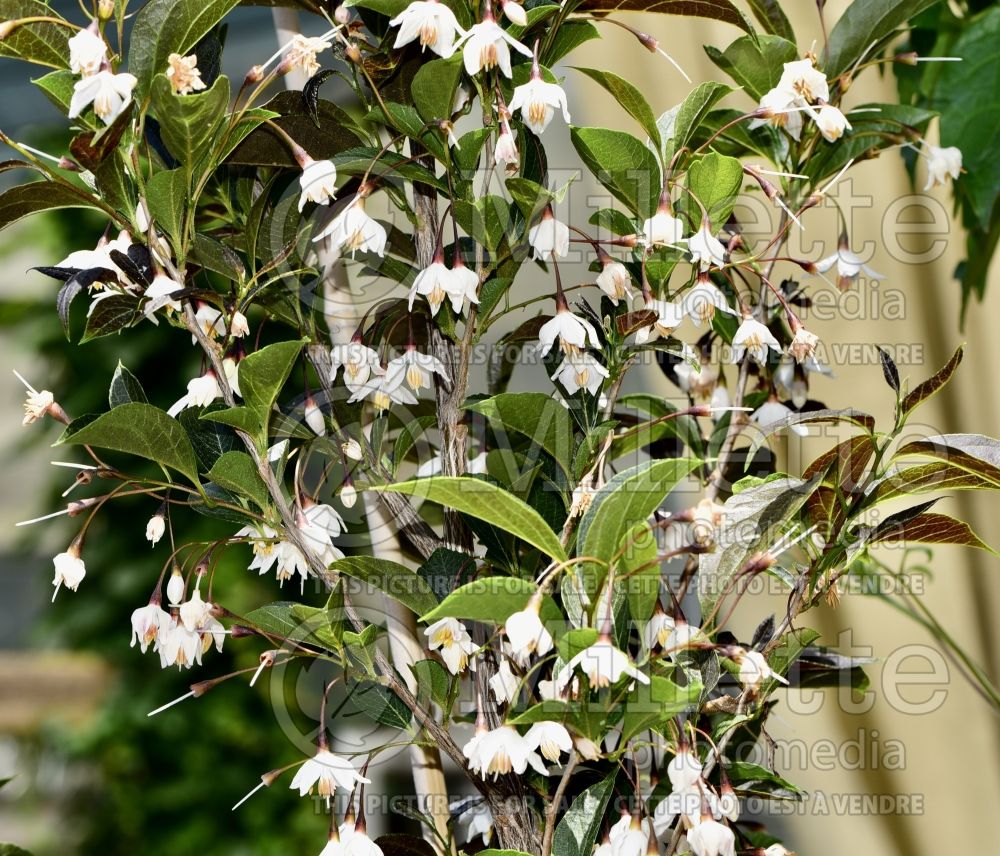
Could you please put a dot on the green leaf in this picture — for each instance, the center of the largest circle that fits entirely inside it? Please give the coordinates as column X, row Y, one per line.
column 966, row 97
column 295, row 622
column 569, row 35
column 167, row 195
column 715, row 180
column 654, row 703
column 755, row 65
column 535, row 415
column 139, row 429
column 864, row 22
column 626, row 501
column 58, row 87
column 490, row 599
column 928, row 528
column 678, row 124
column 125, row 388
column 43, row 43
column 578, row 829
column 188, row 123
column 240, row 418
column 111, row 315
column 13, row 850
column 263, row 374
column 485, row 501
column 395, row 580
column 432, row 682
column 926, row 389
column 717, row 10
column 622, row 164
column 849, row 415
column 771, row 17
column 975, row 453
column 211, row 440
column 381, row 704
column 446, row 569
column 751, row 520
column 492, row 852
column 434, row 86
column 25, row 199
column 629, row 97
column 933, row 477
column 236, row 472
column 639, row 574
column 163, row 27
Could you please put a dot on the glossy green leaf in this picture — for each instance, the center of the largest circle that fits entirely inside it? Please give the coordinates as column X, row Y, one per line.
column 163, row 27
column 139, row 429
column 715, row 180
column 396, row 580
column 755, row 65
column 577, row 831
column 125, row 388
column 236, row 472
column 490, row 599
column 623, row 164
column 629, row 98
column 189, row 123
column 25, row 199
column 434, row 86
column 41, row 42
column 263, row 374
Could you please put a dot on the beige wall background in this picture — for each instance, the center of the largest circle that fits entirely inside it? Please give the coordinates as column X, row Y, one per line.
column 948, row 755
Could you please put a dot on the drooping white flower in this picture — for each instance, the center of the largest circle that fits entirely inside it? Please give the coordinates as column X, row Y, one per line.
column 301, row 53
column 772, row 411
column 109, row 93
column 754, row 338
column 358, row 361
column 684, row 635
column 474, row 817
column 313, row 417
column 783, row 110
column 711, row 838
column 942, row 163
column 514, row 12
column 549, row 738
column 69, row 570
column 614, row 280
column 184, row 74
column 352, row 230
column 684, row 769
column 155, row 528
column 100, row 256
column 662, row 229
column 326, row 772
column 657, row 630
column 703, row 300
column 754, row 670
column 146, row 623
column 487, row 45
column 831, row 122
column 805, row 81
column 668, row 318
column 232, row 372
column 849, row 265
column 537, row 101
column 87, row 53
column 549, row 238
column 435, row 282
column 464, row 286
column 705, row 519
column 195, row 611
column 384, row 390
column 728, row 803
column 178, row 646
column 603, row 664
column 505, row 152
column 449, row 637
column 581, row 370
column 572, row 332
column 500, row 752
column 433, row 23
column 357, row 843
column 504, row 684
column 706, row 250
column 632, row 840
column 201, row 391
column 318, row 182
column 158, row 293
column 527, row 634
column 323, row 516
column 417, row 369
column 803, row 343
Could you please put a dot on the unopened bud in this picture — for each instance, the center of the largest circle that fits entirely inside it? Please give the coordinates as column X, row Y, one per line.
column 175, row 587
column 314, row 417
column 352, row 449
column 255, row 75
column 353, row 53
column 342, row 15
column 348, row 495
column 155, row 528
column 105, row 9
column 514, row 12
column 69, row 164
column 241, row 631
column 908, row 58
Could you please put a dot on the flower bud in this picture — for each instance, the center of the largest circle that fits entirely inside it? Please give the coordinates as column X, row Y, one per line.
column 155, row 528
column 175, row 587
column 514, row 12
column 352, row 449
column 342, row 15
column 105, row 9
column 348, row 495
column 314, row 417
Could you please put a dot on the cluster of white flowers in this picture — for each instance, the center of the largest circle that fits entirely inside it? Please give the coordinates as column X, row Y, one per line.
column 802, row 88
column 110, row 93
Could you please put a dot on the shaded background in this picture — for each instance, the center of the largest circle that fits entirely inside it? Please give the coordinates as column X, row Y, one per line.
column 94, row 775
